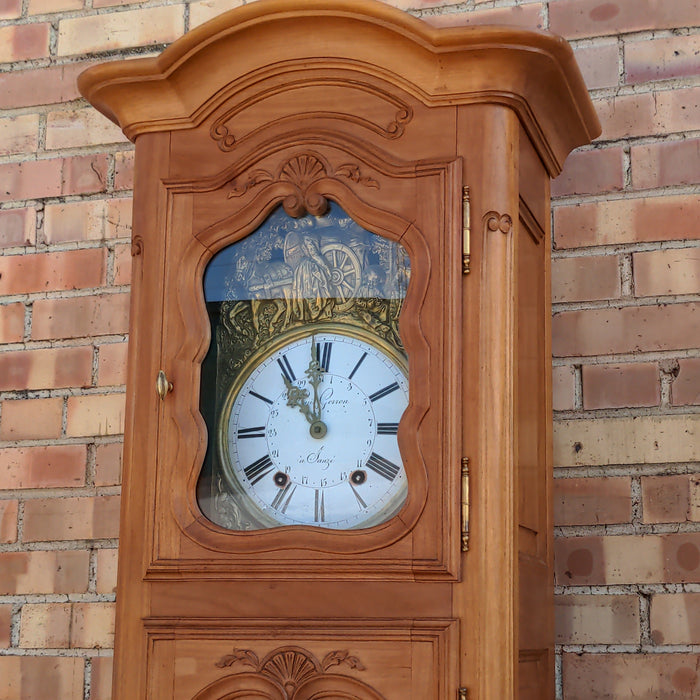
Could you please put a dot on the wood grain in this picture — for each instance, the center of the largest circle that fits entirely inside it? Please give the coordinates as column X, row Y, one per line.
column 398, row 118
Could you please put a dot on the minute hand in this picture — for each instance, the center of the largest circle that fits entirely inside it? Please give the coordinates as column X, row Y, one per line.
column 315, row 375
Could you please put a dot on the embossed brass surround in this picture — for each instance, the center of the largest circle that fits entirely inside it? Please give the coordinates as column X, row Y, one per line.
column 250, row 517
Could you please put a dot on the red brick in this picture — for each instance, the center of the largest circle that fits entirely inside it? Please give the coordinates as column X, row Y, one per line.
column 630, row 329
column 599, row 65
column 80, row 127
column 108, row 464
column 590, row 172
column 87, row 221
column 618, row 386
column 111, row 369
column 101, row 678
column 43, row 7
column 41, row 86
column 528, row 16
column 628, row 115
column 592, row 501
column 619, row 676
column 678, row 109
column 41, row 678
column 45, row 272
column 19, row 134
column 117, row 30
column 646, row 114
column 563, row 385
column 32, row 179
column 96, row 414
column 106, row 581
column 675, row 618
column 686, row 387
column 92, row 626
column 627, row 559
column 45, row 626
column 122, row 264
column 577, row 18
column 17, row 227
column 11, row 326
column 10, row 9
column 52, row 466
column 662, row 272
column 670, row 218
column 51, row 368
column 671, row 499
column 8, row 521
column 124, row 170
column 82, row 518
column 585, row 278
column 31, row 419
column 5, row 624
column 84, row 174
column 22, row 42
column 597, row 619
column 34, row 573
column 667, row 163
column 77, row 317
column 661, row 59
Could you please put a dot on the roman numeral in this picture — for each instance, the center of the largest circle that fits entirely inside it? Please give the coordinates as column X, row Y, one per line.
column 286, row 368
column 357, row 366
column 262, row 398
column 387, row 428
column 251, row 432
column 319, row 507
column 281, row 500
column 382, row 466
column 258, row 469
column 360, row 501
column 323, row 353
column 383, row 392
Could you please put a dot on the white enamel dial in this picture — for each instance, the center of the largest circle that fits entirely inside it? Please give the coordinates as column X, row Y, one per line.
column 311, row 435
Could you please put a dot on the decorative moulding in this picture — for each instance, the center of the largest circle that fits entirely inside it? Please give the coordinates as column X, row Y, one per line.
column 199, row 72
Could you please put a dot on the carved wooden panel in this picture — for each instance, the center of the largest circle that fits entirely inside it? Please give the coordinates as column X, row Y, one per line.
column 407, row 659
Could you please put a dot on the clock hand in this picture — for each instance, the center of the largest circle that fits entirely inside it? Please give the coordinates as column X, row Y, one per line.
column 315, row 375
column 296, row 398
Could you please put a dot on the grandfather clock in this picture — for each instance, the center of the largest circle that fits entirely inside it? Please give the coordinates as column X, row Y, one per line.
column 337, row 450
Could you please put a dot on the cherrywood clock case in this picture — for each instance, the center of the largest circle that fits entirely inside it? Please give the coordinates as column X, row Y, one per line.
column 441, row 144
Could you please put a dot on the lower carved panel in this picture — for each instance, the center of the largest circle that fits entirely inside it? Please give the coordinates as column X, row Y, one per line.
column 301, row 660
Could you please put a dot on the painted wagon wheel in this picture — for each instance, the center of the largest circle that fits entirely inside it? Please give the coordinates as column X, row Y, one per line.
column 346, row 271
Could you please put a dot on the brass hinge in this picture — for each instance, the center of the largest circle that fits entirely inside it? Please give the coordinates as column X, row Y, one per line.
column 465, row 504
column 466, row 232
column 463, row 694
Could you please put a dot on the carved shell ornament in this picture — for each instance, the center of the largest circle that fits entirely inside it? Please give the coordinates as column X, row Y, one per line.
column 289, row 673
column 302, row 172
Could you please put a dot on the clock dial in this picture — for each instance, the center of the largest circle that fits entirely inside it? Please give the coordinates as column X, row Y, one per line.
column 310, row 434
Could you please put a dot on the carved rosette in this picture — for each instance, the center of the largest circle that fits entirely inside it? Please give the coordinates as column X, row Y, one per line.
column 302, row 173
column 293, row 671
column 493, row 221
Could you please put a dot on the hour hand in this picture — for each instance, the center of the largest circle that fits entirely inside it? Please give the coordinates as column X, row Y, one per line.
column 297, row 398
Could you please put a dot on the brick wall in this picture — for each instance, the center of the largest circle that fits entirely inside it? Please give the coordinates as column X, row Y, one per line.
column 626, row 336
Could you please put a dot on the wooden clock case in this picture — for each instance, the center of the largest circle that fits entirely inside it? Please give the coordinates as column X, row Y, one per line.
column 439, row 139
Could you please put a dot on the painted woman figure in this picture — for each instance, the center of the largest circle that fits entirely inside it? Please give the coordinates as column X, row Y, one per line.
column 313, row 293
